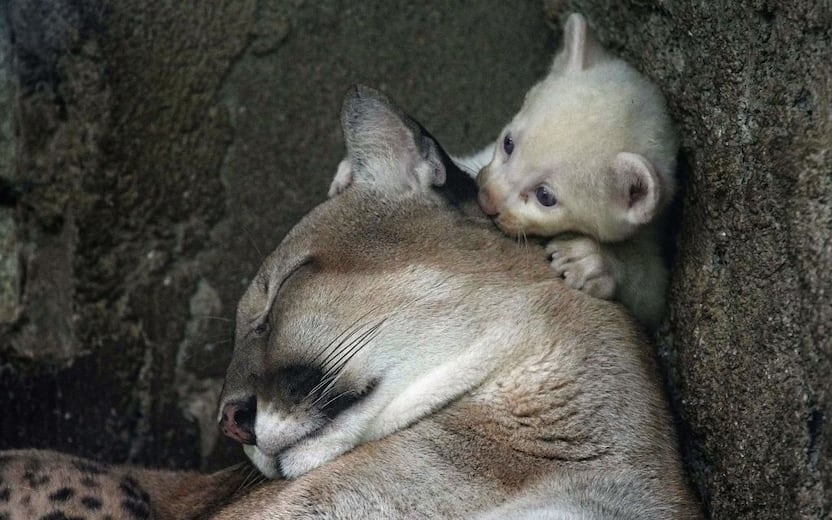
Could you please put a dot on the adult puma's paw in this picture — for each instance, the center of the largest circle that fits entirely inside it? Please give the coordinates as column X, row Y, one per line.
column 310, row 454
column 583, row 265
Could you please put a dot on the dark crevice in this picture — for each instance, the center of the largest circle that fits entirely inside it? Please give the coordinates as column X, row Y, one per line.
column 814, row 424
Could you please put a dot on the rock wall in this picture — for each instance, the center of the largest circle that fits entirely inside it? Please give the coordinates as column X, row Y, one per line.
column 749, row 337
column 151, row 152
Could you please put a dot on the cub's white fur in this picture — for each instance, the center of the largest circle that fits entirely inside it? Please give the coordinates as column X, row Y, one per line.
column 595, row 138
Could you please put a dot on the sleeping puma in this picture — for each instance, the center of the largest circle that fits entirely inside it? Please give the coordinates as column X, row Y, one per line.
column 398, row 357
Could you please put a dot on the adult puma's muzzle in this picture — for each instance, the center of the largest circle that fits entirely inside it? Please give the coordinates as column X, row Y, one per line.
column 293, row 402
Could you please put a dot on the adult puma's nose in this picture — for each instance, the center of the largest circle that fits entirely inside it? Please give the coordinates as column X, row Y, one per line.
column 486, row 202
column 238, row 420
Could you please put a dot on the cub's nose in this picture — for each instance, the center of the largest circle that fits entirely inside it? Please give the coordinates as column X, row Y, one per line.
column 238, row 420
column 486, row 202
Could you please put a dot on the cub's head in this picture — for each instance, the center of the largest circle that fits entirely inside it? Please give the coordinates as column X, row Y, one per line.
column 591, row 151
column 369, row 294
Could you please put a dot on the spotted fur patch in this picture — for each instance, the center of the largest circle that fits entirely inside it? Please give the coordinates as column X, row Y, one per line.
column 136, row 500
column 5, row 460
column 34, row 475
column 89, row 482
column 137, row 510
column 132, row 489
column 91, row 503
column 59, row 515
column 91, row 468
column 62, row 495
column 35, row 480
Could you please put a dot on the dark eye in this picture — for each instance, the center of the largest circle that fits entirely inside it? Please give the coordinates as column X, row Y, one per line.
column 545, row 196
column 262, row 329
column 508, row 144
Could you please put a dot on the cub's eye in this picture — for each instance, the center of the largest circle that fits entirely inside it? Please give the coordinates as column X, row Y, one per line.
column 262, row 329
column 508, row 144
column 545, row 196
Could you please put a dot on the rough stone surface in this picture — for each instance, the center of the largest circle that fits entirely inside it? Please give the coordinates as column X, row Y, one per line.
column 9, row 245
column 749, row 338
column 161, row 148
column 9, row 268
column 116, row 188
column 152, row 152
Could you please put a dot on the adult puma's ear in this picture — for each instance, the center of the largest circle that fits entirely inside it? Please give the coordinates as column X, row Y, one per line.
column 385, row 148
column 580, row 49
column 638, row 188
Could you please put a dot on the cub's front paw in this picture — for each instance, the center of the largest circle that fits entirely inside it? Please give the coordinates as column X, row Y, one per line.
column 583, row 265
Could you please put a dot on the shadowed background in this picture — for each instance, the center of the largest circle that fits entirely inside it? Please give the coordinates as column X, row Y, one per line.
column 152, row 152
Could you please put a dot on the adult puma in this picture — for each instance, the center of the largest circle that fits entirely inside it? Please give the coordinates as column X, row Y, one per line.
column 398, row 357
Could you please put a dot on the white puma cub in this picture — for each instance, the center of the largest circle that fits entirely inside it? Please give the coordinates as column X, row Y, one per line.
column 590, row 160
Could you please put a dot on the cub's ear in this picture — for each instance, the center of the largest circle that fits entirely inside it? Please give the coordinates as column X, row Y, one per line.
column 386, row 149
column 580, row 49
column 637, row 188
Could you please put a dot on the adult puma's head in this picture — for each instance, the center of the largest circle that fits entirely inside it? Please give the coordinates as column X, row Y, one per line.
column 367, row 298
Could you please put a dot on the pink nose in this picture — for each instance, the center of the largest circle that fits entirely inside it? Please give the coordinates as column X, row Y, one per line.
column 238, row 421
column 486, row 202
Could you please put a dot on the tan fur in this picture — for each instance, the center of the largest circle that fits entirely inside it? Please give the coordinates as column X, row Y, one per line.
column 564, row 412
column 596, row 134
